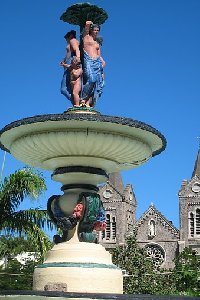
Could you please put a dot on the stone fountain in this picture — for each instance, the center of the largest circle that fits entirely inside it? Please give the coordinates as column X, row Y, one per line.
column 80, row 147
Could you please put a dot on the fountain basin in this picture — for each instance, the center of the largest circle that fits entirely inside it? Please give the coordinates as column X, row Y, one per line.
column 92, row 140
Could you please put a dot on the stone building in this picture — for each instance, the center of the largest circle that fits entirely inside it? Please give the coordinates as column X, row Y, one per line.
column 189, row 197
column 120, row 208
column 158, row 235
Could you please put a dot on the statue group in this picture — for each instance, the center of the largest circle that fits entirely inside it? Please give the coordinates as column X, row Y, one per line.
column 83, row 77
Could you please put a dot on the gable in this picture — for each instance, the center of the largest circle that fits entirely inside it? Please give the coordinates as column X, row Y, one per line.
column 154, row 226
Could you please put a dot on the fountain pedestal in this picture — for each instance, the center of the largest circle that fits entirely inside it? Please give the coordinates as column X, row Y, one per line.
column 84, row 267
column 81, row 148
column 74, row 265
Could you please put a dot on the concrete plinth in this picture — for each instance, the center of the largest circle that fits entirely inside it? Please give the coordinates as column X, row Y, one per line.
column 83, row 267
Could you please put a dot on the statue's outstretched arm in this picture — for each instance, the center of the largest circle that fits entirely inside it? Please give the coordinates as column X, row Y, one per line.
column 75, row 46
column 87, row 28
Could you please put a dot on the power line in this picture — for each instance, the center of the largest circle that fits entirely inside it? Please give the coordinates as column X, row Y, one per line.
column 3, row 165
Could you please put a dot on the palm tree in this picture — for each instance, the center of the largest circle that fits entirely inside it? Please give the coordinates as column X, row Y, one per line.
column 13, row 190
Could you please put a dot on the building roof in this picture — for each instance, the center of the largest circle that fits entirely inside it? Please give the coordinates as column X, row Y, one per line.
column 196, row 170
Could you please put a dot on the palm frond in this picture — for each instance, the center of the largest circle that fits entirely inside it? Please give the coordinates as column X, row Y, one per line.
column 36, row 216
column 28, row 223
column 19, row 224
column 23, row 183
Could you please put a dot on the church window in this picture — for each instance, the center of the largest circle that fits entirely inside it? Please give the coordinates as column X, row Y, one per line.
column 109, row 235
column 113, row 228
column 107, row 227
column 191, row 224
column 198, row 221
column 156, row 253
column 152, row 228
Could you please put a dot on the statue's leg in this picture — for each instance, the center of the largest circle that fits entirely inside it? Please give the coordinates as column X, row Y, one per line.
column 65, row 88
column 90, row 79
column 76, row 87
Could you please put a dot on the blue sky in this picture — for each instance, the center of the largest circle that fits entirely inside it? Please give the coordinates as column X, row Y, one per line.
column 151, row 48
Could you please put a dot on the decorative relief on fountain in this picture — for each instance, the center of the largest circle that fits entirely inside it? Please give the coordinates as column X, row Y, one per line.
column 88, row 215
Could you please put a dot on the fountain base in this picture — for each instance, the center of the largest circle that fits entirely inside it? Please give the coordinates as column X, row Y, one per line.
column 79, row 267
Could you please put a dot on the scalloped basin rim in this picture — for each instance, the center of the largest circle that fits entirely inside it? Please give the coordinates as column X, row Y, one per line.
column 119, row 125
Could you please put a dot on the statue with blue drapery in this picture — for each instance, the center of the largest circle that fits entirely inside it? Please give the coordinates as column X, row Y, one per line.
column 83, row 78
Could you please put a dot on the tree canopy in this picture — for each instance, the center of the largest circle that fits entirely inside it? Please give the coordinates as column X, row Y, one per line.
column 14, row 189
column 187, row 272
column 17, row 274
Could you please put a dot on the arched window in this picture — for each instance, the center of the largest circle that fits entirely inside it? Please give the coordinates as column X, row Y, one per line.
column 191, row 224
column 109, row 234
column 107, row 227
column 152, row 228
column 198, row 221
column 113, row 228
